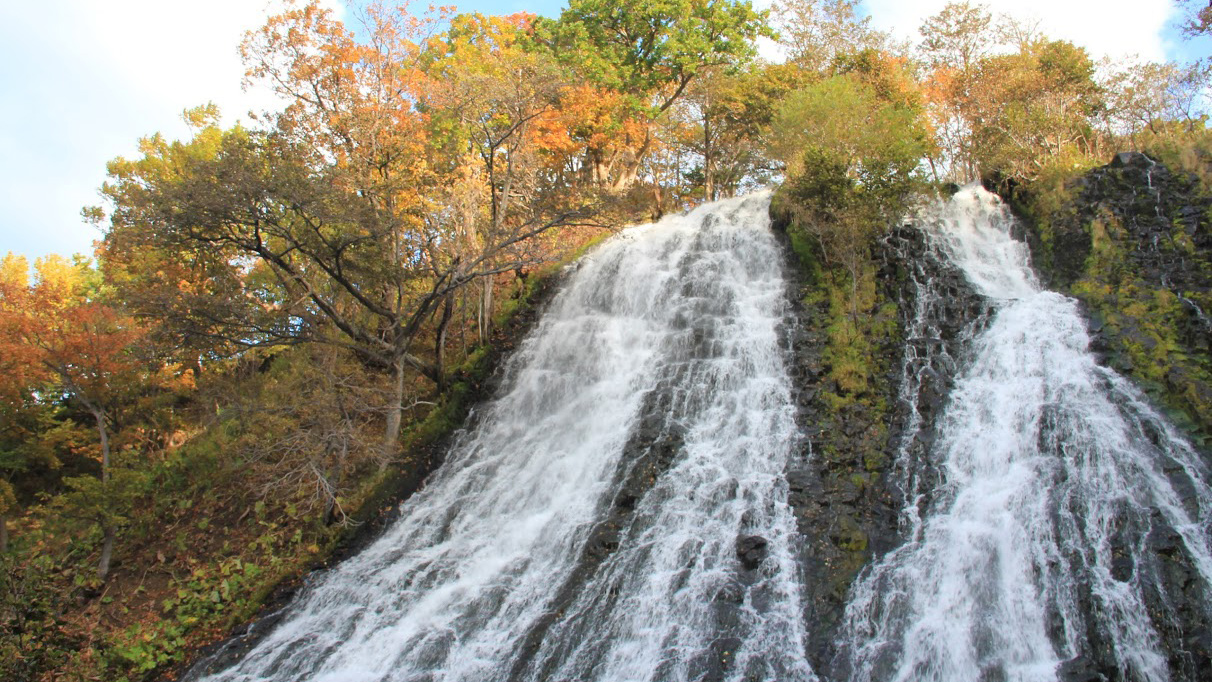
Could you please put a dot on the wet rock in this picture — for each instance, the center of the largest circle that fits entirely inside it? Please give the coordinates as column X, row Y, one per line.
column 713, row 664
column 1164, row 540
column 733, row 592
column 1122, row 566
column 1124, row 159
column 751, row 550
column 1080, row 669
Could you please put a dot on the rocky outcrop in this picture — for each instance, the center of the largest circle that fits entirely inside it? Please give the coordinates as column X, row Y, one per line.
column 1162, row 215
column 1132, row 240
column 864, row 458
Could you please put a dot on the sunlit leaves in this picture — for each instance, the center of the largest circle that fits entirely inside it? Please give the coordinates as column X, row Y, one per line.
column 1033, row 106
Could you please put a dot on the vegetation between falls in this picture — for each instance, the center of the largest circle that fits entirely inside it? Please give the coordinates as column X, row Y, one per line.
column 287, row 317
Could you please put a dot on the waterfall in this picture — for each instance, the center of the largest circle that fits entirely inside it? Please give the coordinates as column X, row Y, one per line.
column 617, row 513
column 1039, row 551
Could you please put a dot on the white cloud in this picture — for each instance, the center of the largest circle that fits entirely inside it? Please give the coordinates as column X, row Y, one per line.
column 1119, row 28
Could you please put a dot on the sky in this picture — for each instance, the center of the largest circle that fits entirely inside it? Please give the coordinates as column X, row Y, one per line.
column 81, row 81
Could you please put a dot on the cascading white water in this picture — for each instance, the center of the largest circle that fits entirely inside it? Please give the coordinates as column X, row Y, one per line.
column 691, row 305
column 656, row 607
column 1035, row 549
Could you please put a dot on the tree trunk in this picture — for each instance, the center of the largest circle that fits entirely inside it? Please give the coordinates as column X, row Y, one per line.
column 708, row 161
column 597, row 169
column 330, row 503
column 627, row 177
column 330, row 486
column 107, row 551
column 629, row 162
column 336, row 479
column 3, row 533
column 391, row 434
column 439, row 350
column 107, row 526
column 486, row 310
column 99, row 415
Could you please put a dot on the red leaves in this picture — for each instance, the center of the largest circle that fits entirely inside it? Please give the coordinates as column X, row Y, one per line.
column 56, row 337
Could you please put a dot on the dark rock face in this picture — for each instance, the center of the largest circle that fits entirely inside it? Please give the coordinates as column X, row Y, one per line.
column 1157, row 210
column 1080, row 670
column 940, row 312
column 849, row 487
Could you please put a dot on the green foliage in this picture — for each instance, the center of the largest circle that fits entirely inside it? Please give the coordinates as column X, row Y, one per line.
column 29, row 460
column 1034, row 108
column 852, row 158
column 32, row 638
column 641, row 47
column 859, row 327
column 877, row 143
column 106, row 503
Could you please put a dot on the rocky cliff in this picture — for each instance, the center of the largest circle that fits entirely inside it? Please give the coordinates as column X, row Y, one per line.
column 864, row 458
column 1132, row 241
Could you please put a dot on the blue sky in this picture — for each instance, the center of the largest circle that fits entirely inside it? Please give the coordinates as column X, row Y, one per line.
column 82, row 80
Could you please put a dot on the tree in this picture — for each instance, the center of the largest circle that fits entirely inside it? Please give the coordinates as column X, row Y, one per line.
column 649, row 52
column 1034, row 107
column 880, row 154
column 29, row 431
column 957, row 37
column 1148, row 96
column 851, row 158
column 720, row 123
column 1019, row 34
column 488, row 98
column 816, row 32
column 954, row 42
column 335, row 225
column 84, row 347
column 206, row 302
